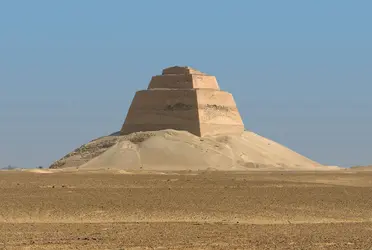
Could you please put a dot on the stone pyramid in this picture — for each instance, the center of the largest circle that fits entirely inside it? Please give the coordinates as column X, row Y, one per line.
column 183, row 98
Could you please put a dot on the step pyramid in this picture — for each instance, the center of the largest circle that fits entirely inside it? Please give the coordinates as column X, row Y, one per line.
column 183, row 98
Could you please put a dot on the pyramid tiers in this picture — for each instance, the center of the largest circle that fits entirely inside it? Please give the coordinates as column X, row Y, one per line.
column 183, row 98
column 164, row 126
column 183, row 78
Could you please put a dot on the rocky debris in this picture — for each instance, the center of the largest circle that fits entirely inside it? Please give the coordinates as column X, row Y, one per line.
column 86, row 152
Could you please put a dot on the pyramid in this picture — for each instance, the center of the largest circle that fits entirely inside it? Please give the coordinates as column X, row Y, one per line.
column 183, row 98
column 183, row 121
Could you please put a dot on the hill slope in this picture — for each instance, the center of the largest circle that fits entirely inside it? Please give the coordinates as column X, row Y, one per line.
column 179, row 150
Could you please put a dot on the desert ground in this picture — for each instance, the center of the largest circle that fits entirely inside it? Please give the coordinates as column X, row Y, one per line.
column 59, row 209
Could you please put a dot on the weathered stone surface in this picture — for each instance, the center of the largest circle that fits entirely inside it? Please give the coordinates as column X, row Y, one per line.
column 177, row 70
column 183, row 78
column 218, row 113
column 186, row 99
column 204, row 82
column 159, row 109
column 171, row 82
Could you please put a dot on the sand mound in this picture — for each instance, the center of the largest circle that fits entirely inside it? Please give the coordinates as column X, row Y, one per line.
column 179, row 150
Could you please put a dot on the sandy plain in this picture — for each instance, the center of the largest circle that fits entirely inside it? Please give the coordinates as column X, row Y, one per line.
column 55, row 209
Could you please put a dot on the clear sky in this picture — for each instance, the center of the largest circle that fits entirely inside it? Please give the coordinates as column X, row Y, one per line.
column 300, row 71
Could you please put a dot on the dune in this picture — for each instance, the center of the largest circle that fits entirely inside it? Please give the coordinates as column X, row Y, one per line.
column 180, row 150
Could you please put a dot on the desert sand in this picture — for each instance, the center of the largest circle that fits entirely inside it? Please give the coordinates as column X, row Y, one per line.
column 181, row 150
column 118, row 209
column 362, row 168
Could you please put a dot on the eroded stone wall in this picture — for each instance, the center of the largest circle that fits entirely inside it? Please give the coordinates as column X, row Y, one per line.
column 204, row 82
column 159, row 109
column 171, row 82
column 218, row 113
column 183, row 98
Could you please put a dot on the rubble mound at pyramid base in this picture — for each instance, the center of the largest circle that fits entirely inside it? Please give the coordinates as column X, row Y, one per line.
column 180, row 150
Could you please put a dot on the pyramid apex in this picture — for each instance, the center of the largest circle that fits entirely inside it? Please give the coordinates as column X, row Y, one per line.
column 183, row 77
column 181, row 70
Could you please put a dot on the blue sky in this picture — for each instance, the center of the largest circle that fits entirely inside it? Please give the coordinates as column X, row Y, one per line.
column 300, row 71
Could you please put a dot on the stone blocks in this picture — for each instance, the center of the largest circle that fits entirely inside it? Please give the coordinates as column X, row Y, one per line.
column 183, row 98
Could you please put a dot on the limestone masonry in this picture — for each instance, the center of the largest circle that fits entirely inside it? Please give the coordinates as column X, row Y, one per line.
column 183, row 98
